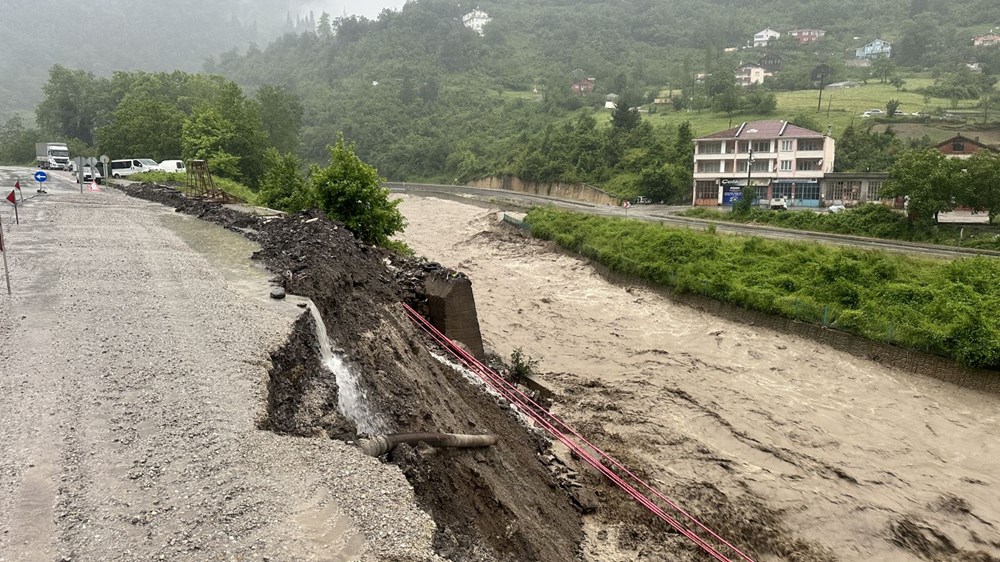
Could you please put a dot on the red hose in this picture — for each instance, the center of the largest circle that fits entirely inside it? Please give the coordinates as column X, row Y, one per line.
column 539, row 415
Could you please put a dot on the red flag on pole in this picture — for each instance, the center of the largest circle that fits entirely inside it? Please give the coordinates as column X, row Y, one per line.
column 17, row 185
column 13, row 200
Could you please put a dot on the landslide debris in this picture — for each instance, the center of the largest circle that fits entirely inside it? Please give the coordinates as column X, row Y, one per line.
column 495, row 504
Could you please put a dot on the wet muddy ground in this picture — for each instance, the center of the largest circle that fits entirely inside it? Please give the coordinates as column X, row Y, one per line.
column 495, row 504
column 791, row 448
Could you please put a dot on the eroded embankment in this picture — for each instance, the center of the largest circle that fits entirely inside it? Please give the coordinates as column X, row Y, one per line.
column 790, row 447
column 498, row 503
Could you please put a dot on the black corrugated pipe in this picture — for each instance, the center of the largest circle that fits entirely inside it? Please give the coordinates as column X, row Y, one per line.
column 382, row 444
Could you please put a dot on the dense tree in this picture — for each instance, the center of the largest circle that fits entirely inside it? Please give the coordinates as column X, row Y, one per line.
column 74, row 102
column 981, row 182
column 861, row 149
column 142, row 127
column 17, row 142
column 283, row 187
column 351, row 191
column 930, row 180
column 281, row 117
column 207, row 135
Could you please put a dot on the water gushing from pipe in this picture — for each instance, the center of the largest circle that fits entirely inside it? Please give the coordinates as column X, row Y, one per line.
column 352, row 398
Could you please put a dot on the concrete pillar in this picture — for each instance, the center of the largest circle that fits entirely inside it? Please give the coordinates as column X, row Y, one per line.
column 452, row 309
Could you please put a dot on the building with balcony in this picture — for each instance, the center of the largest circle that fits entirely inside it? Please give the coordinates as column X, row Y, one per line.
column 787, row 161
column 749, row 74
column 763, row 38
column 875, row 49
column 804, row 36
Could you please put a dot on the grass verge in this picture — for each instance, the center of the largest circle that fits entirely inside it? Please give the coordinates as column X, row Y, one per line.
column 941, row 307
column 235, row 189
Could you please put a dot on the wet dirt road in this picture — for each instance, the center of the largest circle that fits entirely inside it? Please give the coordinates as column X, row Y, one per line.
column 859, row 461
column 132, row 376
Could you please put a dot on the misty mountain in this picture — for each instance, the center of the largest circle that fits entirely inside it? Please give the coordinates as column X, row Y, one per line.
column 103, row 36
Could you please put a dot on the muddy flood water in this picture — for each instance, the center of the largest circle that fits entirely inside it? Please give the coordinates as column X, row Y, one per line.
column 858, row 461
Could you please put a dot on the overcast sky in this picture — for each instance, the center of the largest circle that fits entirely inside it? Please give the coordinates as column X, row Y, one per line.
column 368, row 8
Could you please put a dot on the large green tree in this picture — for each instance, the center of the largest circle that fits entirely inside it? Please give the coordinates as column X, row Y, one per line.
column 981, row 182
column 283, row 187
column 75, row 102
column 930, row 180
column 351, row 191
column 142, row 127
column 281, row 117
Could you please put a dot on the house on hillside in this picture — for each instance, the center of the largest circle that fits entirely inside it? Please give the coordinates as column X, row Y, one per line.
column 771, row 62
column 986, row 40
column 804, row 36
column 962, row 147
column 749, row 74
column 611, row 101
column 777, row 158
column 475, row 20
column 584, row 85
column 875, row 49
column 762, row 38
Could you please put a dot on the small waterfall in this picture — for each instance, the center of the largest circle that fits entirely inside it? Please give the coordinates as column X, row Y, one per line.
column 352, row 399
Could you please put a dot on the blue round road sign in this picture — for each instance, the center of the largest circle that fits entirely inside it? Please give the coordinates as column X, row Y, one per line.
column 41, row 176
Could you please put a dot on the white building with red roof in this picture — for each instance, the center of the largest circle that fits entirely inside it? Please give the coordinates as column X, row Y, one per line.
column 784, row 161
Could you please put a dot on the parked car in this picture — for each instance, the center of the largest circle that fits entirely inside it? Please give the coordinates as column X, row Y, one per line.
column 90, row 174
column 123, row 168
column 779, row 204
column 173, row 166
column 643, row 200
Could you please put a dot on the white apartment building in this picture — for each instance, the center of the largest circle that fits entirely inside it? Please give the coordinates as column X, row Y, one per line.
column 788, row 161
column 475, row 20
column 762, row 38
column 749, row 74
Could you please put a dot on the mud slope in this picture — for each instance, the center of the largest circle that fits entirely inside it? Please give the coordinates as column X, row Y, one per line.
column 494, row 504
column 796, row 449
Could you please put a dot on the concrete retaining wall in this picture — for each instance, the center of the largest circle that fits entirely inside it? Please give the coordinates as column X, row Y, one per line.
column 571, row 191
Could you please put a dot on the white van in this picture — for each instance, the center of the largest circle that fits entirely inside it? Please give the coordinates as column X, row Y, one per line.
column 122, row 168
column 173, row 166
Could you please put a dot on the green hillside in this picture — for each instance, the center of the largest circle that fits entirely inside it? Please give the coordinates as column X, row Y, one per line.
column 427, row 99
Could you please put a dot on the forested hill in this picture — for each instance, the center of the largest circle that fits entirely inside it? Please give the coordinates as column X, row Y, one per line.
column 103, row 36
column 426, row 98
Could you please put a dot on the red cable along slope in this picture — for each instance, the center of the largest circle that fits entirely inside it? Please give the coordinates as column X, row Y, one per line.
column 582, row 447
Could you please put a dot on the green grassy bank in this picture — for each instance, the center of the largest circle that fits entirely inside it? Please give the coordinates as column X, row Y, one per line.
column 942, row 307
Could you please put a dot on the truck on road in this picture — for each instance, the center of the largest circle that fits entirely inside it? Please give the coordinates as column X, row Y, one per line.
column 52, row 155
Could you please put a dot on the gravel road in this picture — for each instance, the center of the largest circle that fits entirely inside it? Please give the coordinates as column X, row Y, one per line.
column 132, row 378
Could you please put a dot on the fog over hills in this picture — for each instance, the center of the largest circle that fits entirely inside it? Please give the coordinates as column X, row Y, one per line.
column 107, row 35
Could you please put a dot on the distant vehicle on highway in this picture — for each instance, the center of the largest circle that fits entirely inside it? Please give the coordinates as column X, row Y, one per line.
column 643, row 200
column 125, row 168
column 52, row 155
column 90, row 174
column 172, row 166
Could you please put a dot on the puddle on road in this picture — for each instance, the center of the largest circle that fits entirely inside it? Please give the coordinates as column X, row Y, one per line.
column 227, row 251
